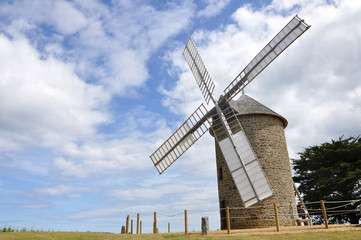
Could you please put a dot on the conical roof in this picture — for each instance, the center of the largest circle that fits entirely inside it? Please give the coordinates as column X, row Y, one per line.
column 246, row 105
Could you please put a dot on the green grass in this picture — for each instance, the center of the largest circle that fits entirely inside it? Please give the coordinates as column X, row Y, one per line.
column 332, row 235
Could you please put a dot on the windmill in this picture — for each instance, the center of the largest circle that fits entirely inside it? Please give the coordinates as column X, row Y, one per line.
column 243, row 164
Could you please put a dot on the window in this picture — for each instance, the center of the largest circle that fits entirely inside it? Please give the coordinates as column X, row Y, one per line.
column 220, row 173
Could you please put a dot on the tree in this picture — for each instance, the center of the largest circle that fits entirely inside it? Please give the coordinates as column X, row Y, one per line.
column 331, row 172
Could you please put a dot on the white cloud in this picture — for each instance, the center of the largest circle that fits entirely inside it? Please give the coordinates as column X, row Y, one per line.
column 69, row 190
column 45, row 75
column 35, row 206
column 109, row 45
column 96, row 213
column 152, row 193
column 105, row 158
column 122, row 39
column 59, row 14
column 67, row 19
column 42, row 101
column 127, row 147
column 213, row 8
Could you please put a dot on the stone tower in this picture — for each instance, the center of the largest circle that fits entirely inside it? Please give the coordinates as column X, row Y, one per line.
column 265, row 131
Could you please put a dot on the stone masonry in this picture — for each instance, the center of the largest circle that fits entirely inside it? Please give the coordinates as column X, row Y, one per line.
column 265, row 131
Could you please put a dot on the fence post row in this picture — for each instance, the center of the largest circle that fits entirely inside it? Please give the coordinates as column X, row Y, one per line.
column 227, row 209
column 324, row 213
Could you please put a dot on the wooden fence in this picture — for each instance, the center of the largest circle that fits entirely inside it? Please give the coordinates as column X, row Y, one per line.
column 276, row 217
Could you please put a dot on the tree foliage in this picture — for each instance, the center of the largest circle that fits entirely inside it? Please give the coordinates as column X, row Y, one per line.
column 331, row 172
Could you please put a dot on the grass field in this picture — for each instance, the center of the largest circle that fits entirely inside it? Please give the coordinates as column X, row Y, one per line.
column 314, row 232
column 331, row 235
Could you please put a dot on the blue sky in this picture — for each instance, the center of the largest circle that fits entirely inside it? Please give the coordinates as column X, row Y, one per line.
column 89, row 89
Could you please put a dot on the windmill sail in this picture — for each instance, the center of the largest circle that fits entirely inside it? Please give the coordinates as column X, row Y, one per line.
column 241, row 160
column 182, row 139
column 294, row 29
column 199, row 71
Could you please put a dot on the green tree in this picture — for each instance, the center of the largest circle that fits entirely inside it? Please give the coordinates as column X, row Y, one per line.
column 331, row 172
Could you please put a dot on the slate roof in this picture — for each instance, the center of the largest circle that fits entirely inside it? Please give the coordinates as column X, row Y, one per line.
column 246, row 105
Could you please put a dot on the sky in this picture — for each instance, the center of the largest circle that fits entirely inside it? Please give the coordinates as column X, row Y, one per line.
column 89, row 89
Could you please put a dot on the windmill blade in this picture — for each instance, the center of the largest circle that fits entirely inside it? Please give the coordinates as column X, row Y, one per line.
column 294, row 29
column 248, row 176
column 199, row 71
column 241, row 160
column 182, row 139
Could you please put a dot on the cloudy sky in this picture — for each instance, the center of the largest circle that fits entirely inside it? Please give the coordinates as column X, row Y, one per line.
column 90, row 88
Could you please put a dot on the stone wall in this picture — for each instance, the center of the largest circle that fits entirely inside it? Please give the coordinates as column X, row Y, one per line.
column 266, row 135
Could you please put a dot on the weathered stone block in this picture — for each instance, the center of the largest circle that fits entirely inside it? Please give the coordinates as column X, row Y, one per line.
column 205, row 226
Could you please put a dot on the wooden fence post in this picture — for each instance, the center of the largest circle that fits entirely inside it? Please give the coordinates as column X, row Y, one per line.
column 324, row 213
column 228, row 221
column 137, row 223
column 169, row 227
column 140, row 226
column 155, row 223
column 185, row 222
column 276, row 216
column 127, row 225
